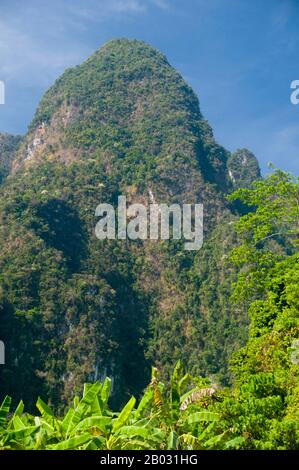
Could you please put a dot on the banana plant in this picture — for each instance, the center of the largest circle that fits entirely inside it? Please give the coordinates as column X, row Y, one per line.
column 184, row 427
column 182, row 416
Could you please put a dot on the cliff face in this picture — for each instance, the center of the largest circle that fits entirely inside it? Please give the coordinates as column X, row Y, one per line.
column 124, row 122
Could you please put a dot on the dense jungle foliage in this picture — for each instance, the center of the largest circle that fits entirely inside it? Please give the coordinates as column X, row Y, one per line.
column 259, row 412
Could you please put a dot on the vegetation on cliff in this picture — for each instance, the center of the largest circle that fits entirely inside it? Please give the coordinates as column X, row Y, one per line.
column 75, row 310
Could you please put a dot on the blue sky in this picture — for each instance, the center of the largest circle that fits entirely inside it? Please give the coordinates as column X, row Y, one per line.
column 240, row 56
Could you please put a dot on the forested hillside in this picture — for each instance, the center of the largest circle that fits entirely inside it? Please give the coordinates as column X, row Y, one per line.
column 8, row 147
column 260, row 411
column 74, row 309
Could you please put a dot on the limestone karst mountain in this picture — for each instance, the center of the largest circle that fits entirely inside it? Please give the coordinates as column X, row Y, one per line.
column 74, row 308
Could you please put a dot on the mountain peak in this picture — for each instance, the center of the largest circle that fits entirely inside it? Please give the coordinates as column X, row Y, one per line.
column 129, row 104
column 126, row 49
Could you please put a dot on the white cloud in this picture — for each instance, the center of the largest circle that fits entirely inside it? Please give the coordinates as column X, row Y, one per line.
column 122, row 6
column 25, row 58
column 39, row 40
column 162, row 4
column 99, row 10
